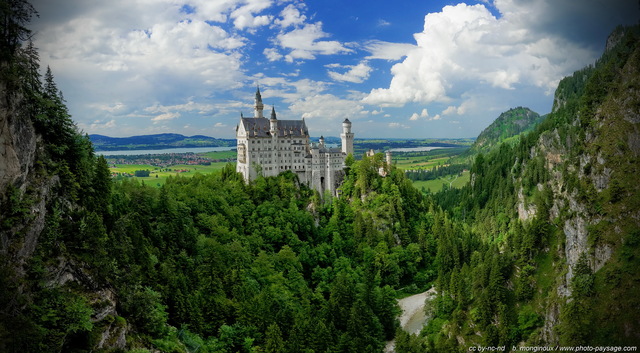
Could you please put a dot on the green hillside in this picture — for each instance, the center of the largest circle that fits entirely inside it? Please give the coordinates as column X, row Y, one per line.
column 554, row 216
column 509, row 124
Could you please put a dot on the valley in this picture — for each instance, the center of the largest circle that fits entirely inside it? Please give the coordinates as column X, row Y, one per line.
column 533, row 241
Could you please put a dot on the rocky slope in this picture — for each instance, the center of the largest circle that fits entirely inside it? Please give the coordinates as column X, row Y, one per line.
column 590, row 150
column 47, row 292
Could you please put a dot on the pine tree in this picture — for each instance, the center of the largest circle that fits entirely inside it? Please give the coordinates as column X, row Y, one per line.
column 273, row 341
column 14, row 17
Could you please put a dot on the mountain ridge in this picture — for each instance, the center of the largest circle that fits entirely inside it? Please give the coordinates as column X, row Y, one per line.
column 509, row 124
column 156, row 141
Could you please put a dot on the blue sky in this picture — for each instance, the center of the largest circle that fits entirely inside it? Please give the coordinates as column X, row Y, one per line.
column 396, row 69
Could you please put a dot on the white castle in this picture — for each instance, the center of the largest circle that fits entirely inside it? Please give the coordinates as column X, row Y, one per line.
column 271, row 146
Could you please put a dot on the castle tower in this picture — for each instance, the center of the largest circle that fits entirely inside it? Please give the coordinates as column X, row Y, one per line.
column 347, row 137
column 321, row 141
column 388, row 155
column 258, row 107
column 273, row 122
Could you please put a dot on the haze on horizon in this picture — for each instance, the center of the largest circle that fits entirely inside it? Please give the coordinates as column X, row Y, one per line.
column 415, row 70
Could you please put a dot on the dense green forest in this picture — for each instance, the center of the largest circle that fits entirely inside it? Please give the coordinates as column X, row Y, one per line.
column 540, row 248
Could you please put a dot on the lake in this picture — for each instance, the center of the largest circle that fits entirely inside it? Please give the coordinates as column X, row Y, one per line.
column 165, row 151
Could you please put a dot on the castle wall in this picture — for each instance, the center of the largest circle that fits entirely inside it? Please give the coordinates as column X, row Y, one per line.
column 269, row 147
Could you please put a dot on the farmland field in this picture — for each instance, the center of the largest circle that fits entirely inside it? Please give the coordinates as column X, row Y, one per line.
column 436, row 185
column 158, row 175
column 426, row 159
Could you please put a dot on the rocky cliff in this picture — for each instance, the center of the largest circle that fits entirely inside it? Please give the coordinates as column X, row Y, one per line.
column 48, row 293
column 590, row 152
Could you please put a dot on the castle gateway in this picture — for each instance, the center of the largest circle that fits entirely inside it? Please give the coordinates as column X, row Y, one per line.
column 270, row 146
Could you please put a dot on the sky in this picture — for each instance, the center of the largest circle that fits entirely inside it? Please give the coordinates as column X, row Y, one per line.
column 396, row 69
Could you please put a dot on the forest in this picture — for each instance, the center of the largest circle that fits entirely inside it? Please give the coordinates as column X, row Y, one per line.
column 210, row 263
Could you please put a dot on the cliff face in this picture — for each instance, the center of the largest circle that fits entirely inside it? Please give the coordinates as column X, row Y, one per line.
column 37, row 272
column 18, row 148
column 592, row 162
column 17, row 140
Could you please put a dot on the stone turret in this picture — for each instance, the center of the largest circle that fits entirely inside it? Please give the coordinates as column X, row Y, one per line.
column 347, row 137
column 258, row 107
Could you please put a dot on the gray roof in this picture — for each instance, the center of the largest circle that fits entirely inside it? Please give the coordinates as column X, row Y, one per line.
column 331, row 150
column 260, row 127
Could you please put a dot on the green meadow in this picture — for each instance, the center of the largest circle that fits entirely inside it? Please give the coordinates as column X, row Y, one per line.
column 158, row 176
column 436, row 185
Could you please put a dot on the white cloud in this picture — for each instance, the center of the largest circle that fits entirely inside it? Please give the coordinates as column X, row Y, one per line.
column 324, row 112
column 99, row 125
column 290, row 16
column 110, row 108
column 356, row 73
column 305, row 43
column 243, row 16
column 165, row 116
column 423, row 114
column 398, row 125
column 387, row 50
column 272, row 54
column 466, row 46
column 218, row 125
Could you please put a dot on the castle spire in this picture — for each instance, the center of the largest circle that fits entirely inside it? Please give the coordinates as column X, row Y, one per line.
column 258, row 95
column 273, row 112
column 258, row 104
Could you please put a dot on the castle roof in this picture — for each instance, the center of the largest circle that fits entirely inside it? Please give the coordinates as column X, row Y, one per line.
column 330, row 150
column 260, row 127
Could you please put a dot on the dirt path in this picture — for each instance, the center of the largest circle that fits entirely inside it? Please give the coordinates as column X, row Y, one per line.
column 412, row 318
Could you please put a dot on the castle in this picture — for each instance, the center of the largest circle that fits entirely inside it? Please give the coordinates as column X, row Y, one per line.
column 271, row 146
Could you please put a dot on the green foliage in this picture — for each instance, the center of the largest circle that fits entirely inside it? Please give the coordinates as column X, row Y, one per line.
column 15, row 15
column 141, row 173
column 510, row 123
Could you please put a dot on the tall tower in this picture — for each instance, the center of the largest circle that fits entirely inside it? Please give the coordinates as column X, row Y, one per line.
column 273, row 122
column 347, row 137
column 257, row 113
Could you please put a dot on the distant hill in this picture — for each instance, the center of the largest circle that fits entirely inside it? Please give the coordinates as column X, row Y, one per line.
column 509, row 124
column 158, row 141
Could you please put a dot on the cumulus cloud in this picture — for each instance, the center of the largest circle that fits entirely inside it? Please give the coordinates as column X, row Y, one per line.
column 244, row 16
column 355, row 73
column 132, row 62
column 307, row 42
column 324, row 112
column 98, row 125
column 387, row 50
column 461, row 109
column 290, row 16
column 423, row 114
column 464, row 46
